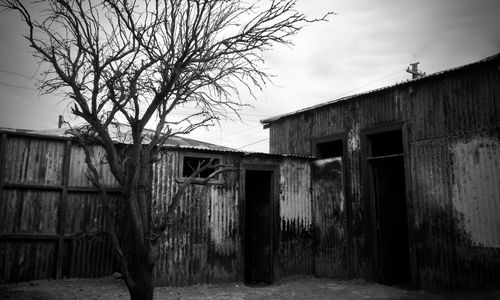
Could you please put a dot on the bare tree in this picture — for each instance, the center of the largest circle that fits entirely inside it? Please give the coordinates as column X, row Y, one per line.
column 136, row 62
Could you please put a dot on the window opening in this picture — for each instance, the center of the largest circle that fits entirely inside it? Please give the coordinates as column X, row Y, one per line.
column 386, row 143
column 192, row 163
column 330, row 149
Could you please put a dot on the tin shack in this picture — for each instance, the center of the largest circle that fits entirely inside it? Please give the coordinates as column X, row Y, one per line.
column 253, row 224
column 420, row 163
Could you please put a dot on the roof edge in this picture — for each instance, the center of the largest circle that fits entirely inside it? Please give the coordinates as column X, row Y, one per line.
column 489, row 59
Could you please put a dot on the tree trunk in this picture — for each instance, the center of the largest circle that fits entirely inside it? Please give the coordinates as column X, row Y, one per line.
column 144, row 283
column 140, row 251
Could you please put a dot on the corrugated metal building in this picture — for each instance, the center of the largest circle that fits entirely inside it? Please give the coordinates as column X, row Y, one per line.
column 252, row 224
column 420, row 166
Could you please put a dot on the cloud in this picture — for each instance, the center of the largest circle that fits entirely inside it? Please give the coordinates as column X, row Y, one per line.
column 367, row 45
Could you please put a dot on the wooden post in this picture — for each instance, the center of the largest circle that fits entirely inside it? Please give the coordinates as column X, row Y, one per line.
column 62, row 209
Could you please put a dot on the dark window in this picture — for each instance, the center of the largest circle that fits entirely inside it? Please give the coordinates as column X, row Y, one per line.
column 386, row 143
column 192, row 163
column 330, row 149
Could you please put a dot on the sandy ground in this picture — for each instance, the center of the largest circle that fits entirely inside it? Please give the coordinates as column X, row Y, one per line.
column 298, row 288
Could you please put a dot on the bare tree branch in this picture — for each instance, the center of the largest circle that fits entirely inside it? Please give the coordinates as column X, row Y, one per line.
column 139, row 63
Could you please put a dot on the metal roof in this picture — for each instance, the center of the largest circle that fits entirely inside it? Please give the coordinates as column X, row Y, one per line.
column 433, row 75
column 119, row 134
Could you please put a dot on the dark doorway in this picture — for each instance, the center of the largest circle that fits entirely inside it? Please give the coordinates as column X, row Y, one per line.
column 258, row 226
column 389, row 196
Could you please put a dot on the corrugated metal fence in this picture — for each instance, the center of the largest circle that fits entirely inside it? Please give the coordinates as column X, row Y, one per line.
column 51, row 220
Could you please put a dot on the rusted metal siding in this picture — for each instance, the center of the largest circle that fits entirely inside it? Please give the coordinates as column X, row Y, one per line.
column 78, row 167
column 476, row 187
column 452, row 128
column 46, row 228
column 34, row 161
column 434, row 223
column 24, row 211
column 22, row 261
column 475, row 195
column 89, row 252
column 203, row 242
column 330, row 220
column 296, row 243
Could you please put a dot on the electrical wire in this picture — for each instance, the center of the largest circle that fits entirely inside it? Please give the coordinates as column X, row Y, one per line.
column 252, row 143
column 18, row 86
column 366, row 84
column 17, row 74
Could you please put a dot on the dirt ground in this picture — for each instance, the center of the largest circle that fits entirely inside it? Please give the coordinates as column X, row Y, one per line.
column 298, row 288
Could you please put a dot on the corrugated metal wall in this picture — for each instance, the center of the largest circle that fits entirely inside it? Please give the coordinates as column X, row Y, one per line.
column 51, row 220
column 203, row 243
column 452, row 129
column 330, row 218
column 296, row 242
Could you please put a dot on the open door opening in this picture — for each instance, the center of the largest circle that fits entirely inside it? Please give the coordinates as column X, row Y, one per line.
column 387, row 185
column 258, row 227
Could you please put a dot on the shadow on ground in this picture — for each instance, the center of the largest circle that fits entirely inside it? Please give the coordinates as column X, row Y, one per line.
column 298, row 288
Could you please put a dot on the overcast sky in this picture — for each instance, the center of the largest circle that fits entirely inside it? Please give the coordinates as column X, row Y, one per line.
column 368, row 44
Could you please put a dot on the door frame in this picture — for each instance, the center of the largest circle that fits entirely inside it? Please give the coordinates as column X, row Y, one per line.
column 373, row 268
column 274, row 207
column 346, row 178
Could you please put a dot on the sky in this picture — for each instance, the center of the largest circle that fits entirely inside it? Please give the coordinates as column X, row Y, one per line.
column 367, row 45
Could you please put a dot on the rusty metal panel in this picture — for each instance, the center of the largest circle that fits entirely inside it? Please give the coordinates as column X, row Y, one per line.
column 452, row 121
column 330, row 218
column 475, row 196
column 380, row 108
column 33, row 161
column 283, row 140
column 471, row 101
column 89, row 252
column 78, row 167
column 29, row 215
column 476, row 187
column 435, row 226
column 296, row 253
column 25, row 211
column 203, row 242
column 23, row 261
column 89, row 255
column 353, row 188
column 85, row 213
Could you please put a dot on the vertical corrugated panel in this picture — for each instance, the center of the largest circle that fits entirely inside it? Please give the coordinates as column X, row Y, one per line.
column 202, row 243
column 23, row 211
column 354, row 187
column 86, row 212
column 457, row 104
column 425, row 110
column 39, row 161
column 330, row 218
column 34, row 161
column 78, row 167
column 435, row 227
column 91, row 253
column 23, row 261
column 475, row 196
column 296, row 237
column 470, row 104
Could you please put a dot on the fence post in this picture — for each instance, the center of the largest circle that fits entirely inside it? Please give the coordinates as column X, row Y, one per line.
column 62, row 209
